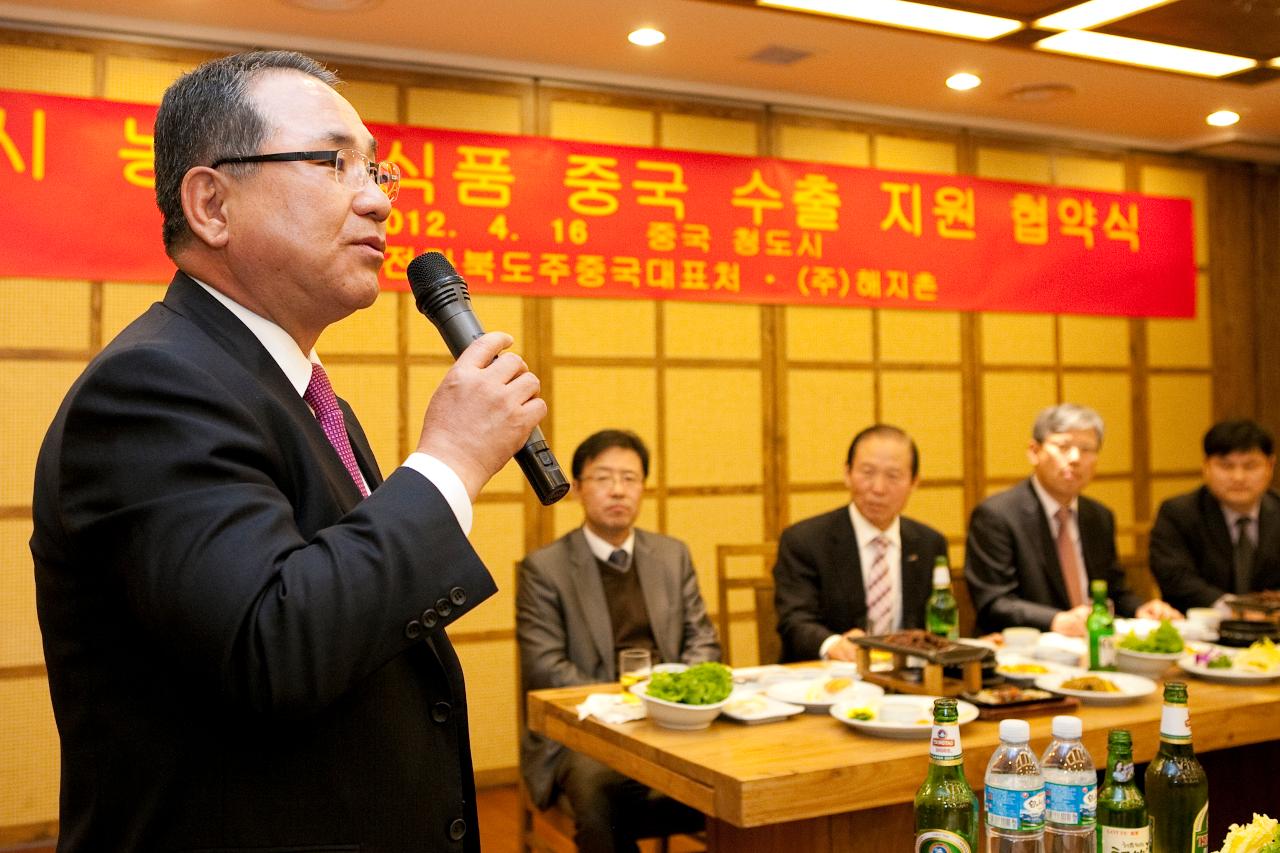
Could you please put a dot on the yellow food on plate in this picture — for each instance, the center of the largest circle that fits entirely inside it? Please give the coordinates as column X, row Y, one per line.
column 835, row 685
column 747, row 706
column 1022, row 669
column 1261, row 657
column 1091, row 683
column 1251, row 837
column 864, row 714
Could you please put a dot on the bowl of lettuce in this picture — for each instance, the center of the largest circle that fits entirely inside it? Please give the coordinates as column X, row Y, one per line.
column 687, row 700
column 1151, row 655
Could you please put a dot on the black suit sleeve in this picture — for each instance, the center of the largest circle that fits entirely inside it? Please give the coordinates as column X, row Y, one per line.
column 994, row 576
column 798, row 598
column 1173, row 562
column 173, row 478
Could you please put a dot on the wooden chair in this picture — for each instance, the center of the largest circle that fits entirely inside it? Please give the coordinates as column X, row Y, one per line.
column 768, row 643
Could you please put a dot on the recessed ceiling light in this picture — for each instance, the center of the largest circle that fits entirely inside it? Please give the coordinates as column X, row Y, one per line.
column 1222, row 118
column 911, row 16
column 1093, row 13
column 647, row 37
column 963, row 81
column 1148, row 54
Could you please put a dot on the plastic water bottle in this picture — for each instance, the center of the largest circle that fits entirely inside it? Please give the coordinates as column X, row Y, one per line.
column 1014, row 793
column 1071, row 791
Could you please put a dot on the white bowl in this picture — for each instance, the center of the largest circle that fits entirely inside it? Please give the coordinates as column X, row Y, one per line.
column 1020, row 638
column 1150, row 664
column 677, row 715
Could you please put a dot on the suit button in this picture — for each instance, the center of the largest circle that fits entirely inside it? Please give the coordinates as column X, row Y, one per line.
column 413, row 630
column 457, row 829
column 440, row 712
column 458, row 596
column 444, row 608
column 430, row 618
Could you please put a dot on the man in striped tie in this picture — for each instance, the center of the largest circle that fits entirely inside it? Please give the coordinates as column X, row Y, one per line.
column 861, row 568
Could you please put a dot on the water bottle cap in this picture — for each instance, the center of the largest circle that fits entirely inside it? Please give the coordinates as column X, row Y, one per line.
column 1015, row 731
column 1067, row 727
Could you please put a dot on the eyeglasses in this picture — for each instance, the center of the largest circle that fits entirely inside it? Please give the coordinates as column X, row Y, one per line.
column 629, row 479
column 351, row 169
column 1064, row 448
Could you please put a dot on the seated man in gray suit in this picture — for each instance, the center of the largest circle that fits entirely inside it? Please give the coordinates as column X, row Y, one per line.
column 603, row 587
column 1225, row 536
column 862, row 568
column 1033, row 549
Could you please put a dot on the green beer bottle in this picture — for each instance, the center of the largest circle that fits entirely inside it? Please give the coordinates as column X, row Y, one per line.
column 946, row 809
column 1101, row 627
column 1123, row 826
column 942, row 614
column 1177, row 789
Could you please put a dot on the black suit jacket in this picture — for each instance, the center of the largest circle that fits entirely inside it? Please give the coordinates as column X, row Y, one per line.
column 1011, row 560
column 242, row 654
column 818, row 588
column 1191, row 549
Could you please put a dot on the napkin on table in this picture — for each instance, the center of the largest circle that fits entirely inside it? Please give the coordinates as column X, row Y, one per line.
column 610, row 708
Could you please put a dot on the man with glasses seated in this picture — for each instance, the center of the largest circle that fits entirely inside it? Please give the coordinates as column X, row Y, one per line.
column 1224, row 537
column 243, row 622
column 600, row 588
column 1033, row 549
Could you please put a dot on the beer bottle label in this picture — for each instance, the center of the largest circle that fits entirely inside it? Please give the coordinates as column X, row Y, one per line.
column 1107, row 651
column 941, row 841
column 1013, row 809
column 1123, row 839
column 944, row 745
column 1175, row 724
column 1200, row 830
column 1123, row 772
column 1071, row 805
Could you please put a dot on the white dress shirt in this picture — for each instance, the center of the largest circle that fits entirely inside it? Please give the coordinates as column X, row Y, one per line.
column 865, row 534
column 602, row 549
column 1051, row 507
column 297, row 369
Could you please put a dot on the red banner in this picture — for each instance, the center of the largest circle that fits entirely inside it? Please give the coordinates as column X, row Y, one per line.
column 542, row 217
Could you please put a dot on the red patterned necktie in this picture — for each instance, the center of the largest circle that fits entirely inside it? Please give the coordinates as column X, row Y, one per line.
column 324, row 402
column 1067, row 558
column 879, row 590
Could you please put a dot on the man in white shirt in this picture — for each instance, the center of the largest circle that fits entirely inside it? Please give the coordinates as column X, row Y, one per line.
column 1224, row 537
column 243, row 622
column 1033, row 549
column 862, row 568
column 600, row 588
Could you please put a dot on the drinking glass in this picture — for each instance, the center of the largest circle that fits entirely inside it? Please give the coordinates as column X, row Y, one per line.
column 633, row 667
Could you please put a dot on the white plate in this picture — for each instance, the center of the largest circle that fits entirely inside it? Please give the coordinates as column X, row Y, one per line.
column 899, row 716
column 1131, row 687
column 1004, row 659
column 816, row 700
column 758, row 708
column 1226, row 676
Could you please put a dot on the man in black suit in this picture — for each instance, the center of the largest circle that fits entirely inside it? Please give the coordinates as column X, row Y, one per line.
column 1224, row 537
column 244, row 651
column 862, row 568
column 1033, row 549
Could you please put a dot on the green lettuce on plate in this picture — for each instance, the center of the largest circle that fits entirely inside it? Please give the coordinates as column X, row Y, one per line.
column 700, row 684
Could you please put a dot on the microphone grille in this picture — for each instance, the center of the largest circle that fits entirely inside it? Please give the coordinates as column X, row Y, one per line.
column 435, row 283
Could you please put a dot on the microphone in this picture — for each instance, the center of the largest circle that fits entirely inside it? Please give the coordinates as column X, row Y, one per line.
column 442, row 296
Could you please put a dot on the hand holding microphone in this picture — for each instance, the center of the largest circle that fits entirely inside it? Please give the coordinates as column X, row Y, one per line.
column 489, row 400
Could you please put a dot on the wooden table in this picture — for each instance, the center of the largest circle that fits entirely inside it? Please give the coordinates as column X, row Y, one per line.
column 813, row 784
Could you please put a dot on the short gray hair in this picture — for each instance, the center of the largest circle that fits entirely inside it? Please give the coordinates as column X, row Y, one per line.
column 1064, row 417
column 207, row 115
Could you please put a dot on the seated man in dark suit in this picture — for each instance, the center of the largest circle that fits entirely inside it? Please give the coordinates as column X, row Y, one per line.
column 1225, row 536
column 600, row 588
column 823, row 593
column 1033, row 549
